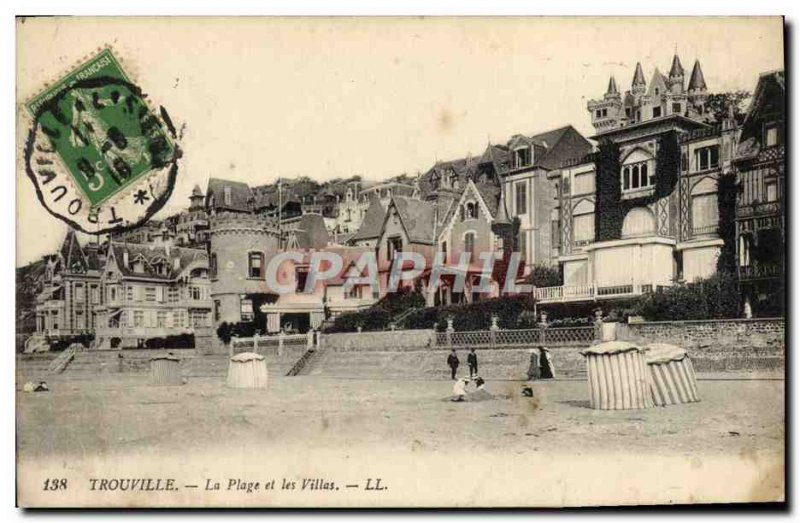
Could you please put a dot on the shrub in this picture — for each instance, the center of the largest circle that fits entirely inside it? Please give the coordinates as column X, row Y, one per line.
column 712, row 298
column 241, row 329
column 61, row 344
column 173, row 341
column 380, row 315
column 544, row 276
column 474, row 316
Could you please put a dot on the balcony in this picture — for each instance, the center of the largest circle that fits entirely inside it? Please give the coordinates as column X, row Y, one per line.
column 706, row 230
column 570, row 293
column 760, row 271
column 758, row 209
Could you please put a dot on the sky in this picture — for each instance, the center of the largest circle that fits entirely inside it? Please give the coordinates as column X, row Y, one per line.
column 262, row 98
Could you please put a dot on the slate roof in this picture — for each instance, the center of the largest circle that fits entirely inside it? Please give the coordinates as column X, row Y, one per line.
column 241, row 196
column 311, row 232
column 152, row 253
column 417, row 217
column 372, row 223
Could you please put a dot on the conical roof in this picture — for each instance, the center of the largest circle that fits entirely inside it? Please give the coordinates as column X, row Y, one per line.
column 71, row 252
column 612, row 86
column 638, row 75
column 677, row 68
column 501, row 217
column 697, row 82
column 197, row 191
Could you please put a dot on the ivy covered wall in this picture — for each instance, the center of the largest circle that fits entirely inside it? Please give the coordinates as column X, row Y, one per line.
column 610, row 208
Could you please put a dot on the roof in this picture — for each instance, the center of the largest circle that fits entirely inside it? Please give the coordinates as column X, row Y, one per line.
column 638, row 75
column 417, row 218
column 241, row 196
column 372, row 223
column 768, row 104
column 677, row 68
column 697, row 82
column 612, row 86
column 311, row 232
column 151, row 253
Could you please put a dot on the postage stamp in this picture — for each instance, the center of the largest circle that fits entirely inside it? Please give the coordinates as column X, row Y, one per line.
column 101, row 158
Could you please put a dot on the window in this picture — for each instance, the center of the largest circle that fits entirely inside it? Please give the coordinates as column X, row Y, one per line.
column 471, row 211
column 705, row 214
column 138, row 318
column 469, row 245
column 628, row 112
column 771, row 136
column 212, row 264
column 161, row 318
column 744, row 250
column 772, row 191
column 160, row 267
column 605, row 113
column 80, row 296
column 217, row 314
column 676, row 108
column 112, row 293
column 247, row 309
column 684, row 161
column 393, row 245
column 138, row 266
column 301, row 278
column 522, row 157
column 94, row 291
column 656, row 93
column 355, row 292
column 179, row 318
column 555, row 233
column 444, row 252
column 198, row 318
column 226, row 195
column 707, row 158
column 195, row 292
column 173, row 294
column 522, row 244
column 583, row 228
column 80, row 320
column 149, row 294
column 583, row 184
column 521, row 197
column 129, row 292
column 636, row 176
column 656, row 110
column 255, row 265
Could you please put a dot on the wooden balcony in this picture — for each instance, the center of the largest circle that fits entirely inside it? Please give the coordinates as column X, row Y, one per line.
column 575, row 293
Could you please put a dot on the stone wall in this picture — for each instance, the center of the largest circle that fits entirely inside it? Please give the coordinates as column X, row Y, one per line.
column 379, row 341
column 718, row 345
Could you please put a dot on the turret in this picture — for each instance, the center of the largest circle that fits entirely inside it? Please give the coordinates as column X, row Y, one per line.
column 638, row 86
column 697, row 85
column 676, row 76
column 612, row 91
column 196, row 199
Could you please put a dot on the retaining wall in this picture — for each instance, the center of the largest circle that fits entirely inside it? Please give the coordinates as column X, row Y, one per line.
column 380, row 340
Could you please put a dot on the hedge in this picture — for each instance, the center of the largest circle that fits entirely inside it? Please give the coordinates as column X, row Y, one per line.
column 716, row 297
column 379, row 316
column 512, row 312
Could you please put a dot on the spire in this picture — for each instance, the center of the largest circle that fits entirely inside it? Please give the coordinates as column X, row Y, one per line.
column 676, row 69
column 697, row 82
column 612, row 86
column 638, row 76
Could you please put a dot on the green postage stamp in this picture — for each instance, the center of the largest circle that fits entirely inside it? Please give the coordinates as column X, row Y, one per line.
column 101, row 158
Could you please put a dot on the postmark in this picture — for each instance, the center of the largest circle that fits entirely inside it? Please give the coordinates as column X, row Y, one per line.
column 100, row 156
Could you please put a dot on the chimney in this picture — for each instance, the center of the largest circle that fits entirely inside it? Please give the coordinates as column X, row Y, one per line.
column 125, row 260
column 176, row 263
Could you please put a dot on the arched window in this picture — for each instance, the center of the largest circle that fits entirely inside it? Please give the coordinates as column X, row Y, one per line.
column 638, row 171
column 705, row 211
column 744, row 250
column 469, row 245
column 471, row 211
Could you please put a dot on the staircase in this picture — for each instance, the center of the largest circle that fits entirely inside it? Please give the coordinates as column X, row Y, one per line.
column 398, row 321
column 58, row 365
column 307, row 361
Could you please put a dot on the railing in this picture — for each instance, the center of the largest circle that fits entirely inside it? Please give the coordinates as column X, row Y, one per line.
column 758, row 209
column 590, row 292
column 705, row 230
column 61, row 361
column 751, row 272
column 263, row 344
column 516, row 338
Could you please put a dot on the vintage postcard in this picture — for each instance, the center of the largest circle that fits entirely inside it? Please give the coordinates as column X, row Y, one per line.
column 400, row 262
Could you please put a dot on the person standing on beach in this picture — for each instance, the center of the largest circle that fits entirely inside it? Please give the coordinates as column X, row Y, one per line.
column 472, row 361
column 452, row 361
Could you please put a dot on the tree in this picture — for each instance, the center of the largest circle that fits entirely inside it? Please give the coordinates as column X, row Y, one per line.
column 544, row 276
column 719, row 104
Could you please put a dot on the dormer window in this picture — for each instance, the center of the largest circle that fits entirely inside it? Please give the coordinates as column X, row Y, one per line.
column 707, row 158
column 138, row 266
column 226, row 195
column 656, row 110
column 469, row 211
column 657, row 91
column 160, row 267
column 522, row 157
